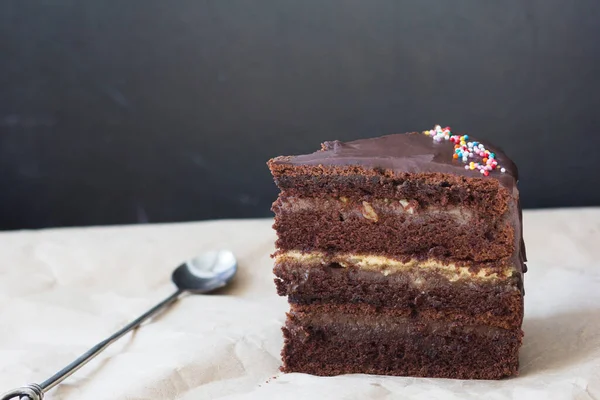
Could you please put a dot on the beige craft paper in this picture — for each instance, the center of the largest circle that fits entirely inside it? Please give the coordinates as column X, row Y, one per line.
column 63, row 290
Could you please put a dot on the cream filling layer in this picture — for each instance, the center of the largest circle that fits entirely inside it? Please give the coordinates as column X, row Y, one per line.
column 372, row 209
column 399, row 325
column 388, row 265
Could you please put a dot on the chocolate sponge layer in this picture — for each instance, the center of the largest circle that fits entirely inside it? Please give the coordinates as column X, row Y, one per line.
column 335, row 343
column 436, row 235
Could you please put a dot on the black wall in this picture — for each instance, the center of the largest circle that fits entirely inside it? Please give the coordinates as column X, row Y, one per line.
column 136, row 111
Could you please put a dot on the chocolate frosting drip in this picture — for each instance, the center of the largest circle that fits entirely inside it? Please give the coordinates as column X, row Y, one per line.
column 411, row 153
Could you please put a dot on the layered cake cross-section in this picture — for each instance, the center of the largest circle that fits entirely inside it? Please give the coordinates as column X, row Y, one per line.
column 400, row 255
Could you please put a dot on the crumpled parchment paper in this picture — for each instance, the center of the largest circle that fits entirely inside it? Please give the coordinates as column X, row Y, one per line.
column 63, row 290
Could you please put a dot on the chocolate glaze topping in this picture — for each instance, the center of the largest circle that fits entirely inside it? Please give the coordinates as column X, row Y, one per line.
column 404, row 152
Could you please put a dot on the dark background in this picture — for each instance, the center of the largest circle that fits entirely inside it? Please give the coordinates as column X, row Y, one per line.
column 149, row 111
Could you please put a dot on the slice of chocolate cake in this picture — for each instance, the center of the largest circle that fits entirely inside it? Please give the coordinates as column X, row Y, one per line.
column 400, row 255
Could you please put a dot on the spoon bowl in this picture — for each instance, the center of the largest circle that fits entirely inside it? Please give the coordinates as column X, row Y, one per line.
column 206, row 272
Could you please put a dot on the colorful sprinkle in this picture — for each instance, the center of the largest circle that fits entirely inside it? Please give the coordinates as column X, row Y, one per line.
column 465, row 150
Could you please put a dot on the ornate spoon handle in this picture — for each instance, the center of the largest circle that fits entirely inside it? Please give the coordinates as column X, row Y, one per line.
column 29, row 392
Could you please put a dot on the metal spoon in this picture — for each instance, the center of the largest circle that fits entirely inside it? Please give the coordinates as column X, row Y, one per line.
column 203, row 274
